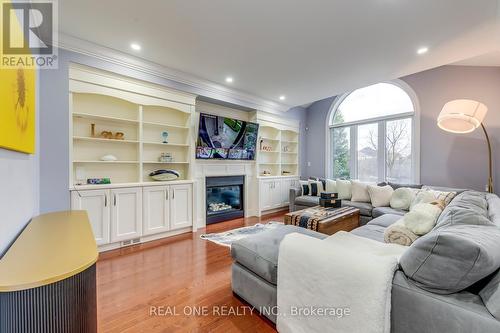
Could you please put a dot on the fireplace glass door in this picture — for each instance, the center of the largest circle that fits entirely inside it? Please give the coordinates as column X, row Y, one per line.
column 223, row 199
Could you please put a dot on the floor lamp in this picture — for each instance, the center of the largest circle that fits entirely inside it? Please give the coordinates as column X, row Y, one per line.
column 464, row 116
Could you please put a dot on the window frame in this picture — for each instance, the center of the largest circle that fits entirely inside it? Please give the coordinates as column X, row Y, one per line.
column 381, row 121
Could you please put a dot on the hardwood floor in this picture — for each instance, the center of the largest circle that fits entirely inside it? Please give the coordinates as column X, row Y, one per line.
column 140, row 287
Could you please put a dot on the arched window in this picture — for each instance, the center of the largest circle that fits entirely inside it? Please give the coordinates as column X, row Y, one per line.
column 372, row 135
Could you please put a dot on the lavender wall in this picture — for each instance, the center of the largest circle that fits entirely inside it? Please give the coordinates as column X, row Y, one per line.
column 445, row 159
column 453, row 159
column 54, row 122
column 316, row 137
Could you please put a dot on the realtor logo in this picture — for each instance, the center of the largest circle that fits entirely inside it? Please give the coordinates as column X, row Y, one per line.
column 29, row 34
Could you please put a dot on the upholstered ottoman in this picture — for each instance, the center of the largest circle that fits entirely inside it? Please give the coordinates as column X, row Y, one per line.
column 255, row 266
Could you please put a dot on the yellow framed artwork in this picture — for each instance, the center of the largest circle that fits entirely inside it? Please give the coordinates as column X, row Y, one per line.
column 17, row 107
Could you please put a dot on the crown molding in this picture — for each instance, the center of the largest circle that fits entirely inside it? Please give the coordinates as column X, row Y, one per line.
column 198, row 85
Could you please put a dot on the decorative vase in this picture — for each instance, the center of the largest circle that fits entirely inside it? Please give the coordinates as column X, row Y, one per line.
column 164, row 136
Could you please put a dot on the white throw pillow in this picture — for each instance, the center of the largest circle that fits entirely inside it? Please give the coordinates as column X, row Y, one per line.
column 422, row 197
column 360, row 191
column 331, row 186
column 402, row 198
column 422, row 218
column 380, row 195
column 344, row 189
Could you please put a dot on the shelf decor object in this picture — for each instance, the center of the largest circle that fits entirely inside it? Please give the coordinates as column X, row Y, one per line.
column 98, row 181
column 164, row 136
column 109, row 157
column 166, row 158
column 464, row 116
column 165, row 175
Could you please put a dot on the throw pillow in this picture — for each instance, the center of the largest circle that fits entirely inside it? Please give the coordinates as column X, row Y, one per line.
column 445, row 196
column 331, row 186
column 360, row 191
column 316, row 187
column 380, row 195
column 344, row 189
column 422, row 197
column 402, row 198
column 305, row 187
column 423, row 217
column 323, row 181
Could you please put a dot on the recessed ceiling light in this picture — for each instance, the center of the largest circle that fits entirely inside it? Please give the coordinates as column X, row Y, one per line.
column 422, row 50
column 135, row 46
column 282, row 98
column 229, row 79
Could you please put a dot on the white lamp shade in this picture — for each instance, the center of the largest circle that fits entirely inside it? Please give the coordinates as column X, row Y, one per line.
column 462, row 116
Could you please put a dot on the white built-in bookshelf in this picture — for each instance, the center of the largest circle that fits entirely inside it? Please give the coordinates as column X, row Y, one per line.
column 142, row 114
column 277, row 151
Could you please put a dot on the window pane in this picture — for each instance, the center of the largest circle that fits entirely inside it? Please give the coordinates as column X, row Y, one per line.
column 341, row 147
column 368, row 152
column 381, row 99
column 398, row 150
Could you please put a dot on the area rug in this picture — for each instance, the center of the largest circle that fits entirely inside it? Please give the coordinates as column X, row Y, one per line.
column 226, row 238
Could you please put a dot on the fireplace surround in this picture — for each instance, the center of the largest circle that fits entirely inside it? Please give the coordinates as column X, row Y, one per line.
column 224, row 198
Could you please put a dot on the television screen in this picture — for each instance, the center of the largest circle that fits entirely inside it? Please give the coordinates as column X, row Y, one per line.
column 226, row 138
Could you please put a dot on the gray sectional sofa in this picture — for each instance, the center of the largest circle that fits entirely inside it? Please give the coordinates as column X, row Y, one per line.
column 366, row 211
column 448, row 280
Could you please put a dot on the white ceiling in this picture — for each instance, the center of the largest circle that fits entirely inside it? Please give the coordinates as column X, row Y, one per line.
column 306, row 50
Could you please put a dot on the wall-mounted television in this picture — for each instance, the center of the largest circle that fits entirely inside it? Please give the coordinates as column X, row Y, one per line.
column 226, row 138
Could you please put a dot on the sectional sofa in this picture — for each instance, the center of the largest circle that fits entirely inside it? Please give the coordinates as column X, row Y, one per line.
column 448, row 280
column 366, row 210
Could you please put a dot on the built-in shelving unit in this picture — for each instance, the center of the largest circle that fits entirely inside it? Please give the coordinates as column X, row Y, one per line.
column 278, row 151
column 101, row 103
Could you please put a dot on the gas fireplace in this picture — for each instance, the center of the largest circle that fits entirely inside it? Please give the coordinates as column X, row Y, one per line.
column 224, row 198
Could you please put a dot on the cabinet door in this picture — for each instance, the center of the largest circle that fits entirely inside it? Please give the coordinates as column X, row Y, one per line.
column 276, row 194
column 286, row 184
column 181, row 206
column 126, row 214
column 265, row 189
column 96, row 203
column 155, row 210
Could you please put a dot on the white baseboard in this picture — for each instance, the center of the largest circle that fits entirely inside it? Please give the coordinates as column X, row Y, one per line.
column 145, row 239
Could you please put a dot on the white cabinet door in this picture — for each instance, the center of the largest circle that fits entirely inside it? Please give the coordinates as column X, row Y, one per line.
column 126, row 213
column 276, row 193
column 265, row 195
column 155, row 209
column 96, row 203
column 286, row 185
column 181, row 206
